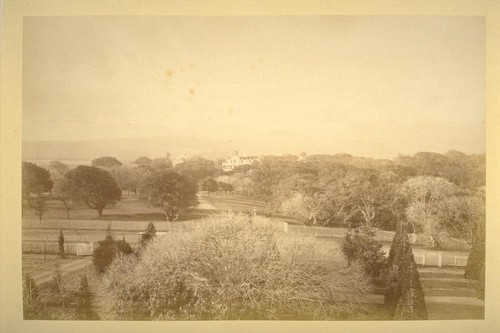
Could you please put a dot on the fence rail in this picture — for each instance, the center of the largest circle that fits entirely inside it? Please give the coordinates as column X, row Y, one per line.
column 422, row 256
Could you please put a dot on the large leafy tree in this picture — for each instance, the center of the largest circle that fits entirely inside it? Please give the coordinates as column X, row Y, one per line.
column 197, row 168
column 425, row 195
column 36, row 182
column 65, row 193
column 95, row 187
column 459, row 215
column 129, row 178
column 209, row 184
column 170, row 191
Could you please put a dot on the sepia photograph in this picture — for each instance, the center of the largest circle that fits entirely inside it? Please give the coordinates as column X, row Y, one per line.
column 327, row 168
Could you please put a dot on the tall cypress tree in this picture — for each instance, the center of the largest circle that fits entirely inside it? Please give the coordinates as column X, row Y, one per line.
column 392, row 268
column 476, row 261
column 411, row 304
column 61, row 244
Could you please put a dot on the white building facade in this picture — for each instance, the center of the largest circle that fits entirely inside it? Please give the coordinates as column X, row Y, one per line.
column 236, row 160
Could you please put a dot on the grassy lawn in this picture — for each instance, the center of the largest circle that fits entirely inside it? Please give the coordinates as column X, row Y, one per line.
column 242, row 204
column 237, row 203
column 454, row 311
column 34, row 263
column 52, row 304
column 129, row 208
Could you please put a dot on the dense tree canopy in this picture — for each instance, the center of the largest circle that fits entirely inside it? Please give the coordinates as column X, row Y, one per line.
column 106, row 162
column 209, row 184
column 128, row 178
column 59, row 167
column 95, row 187
column 170, row 191
column 161, row 163
column 35, row 179
column 143, row 160
column 197, row 168
column 347, row 190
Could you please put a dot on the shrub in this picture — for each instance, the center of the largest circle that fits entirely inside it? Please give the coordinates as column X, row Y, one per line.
column 59, row 287
column 148, row 234
column 232, row 267
column 476, row 260
column 106, row 252
column 61, row 244
column 360, row 245
column 84, row 307
column 31, row 298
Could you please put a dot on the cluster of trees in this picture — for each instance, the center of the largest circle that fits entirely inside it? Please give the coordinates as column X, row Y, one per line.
column 36, row 186
column 157, row 181
column 107, row 250
column 437, row 193
column 35, row 301
column 404, row 296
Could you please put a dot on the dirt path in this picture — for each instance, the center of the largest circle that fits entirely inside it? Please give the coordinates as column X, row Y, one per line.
column 205, row 204
column 65, row 269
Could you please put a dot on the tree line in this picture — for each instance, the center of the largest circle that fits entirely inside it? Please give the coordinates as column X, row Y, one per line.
column 437, row 194
column 171, row 188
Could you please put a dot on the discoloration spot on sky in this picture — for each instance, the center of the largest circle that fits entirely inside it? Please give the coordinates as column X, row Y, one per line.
column 169, row 73
column 230, row 110
column 192, row 92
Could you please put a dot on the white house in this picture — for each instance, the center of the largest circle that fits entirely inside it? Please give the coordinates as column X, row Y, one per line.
column 236, row 160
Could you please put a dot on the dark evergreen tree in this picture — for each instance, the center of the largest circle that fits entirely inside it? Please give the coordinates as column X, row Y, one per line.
column 393, row 269
column 395, row 246
column 411, row 304
column 476, row 261
column 84, row 307
column 361, row 246
column 61, row 244
column 107, row 250
column 148, row 234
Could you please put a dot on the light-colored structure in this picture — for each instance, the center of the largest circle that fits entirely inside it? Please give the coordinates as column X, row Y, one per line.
column 236, row 160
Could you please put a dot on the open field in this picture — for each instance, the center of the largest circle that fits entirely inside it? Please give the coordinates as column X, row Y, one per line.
column 34, row 264
column 129, row 208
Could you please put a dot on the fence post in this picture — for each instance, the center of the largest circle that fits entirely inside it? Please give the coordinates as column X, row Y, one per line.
column 423, row 259
column 440, row 259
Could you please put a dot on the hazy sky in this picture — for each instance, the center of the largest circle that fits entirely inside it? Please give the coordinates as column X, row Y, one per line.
column 365, row 85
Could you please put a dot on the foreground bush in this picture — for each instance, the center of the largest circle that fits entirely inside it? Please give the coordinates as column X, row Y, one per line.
column 360, row 245
column 106, row 252
column 232, row 267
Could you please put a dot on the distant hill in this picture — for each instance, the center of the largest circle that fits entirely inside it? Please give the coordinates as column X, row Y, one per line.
column 123, row 149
